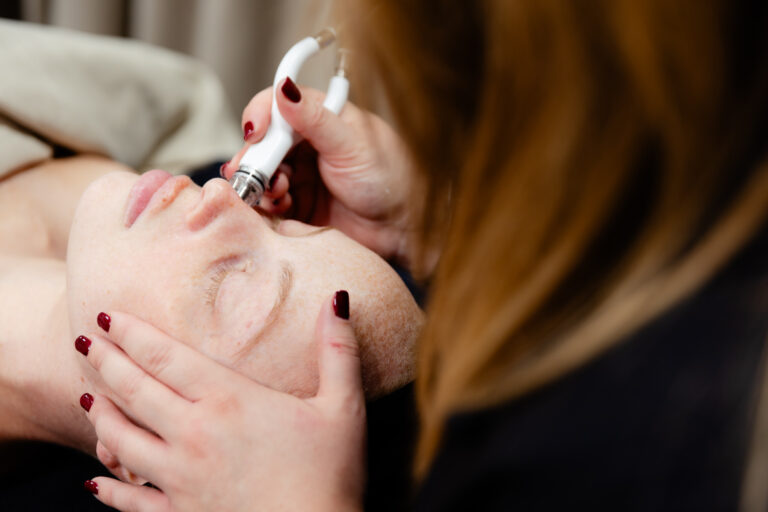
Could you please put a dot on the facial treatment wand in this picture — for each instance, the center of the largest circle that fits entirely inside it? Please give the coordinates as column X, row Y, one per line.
column 261, row 160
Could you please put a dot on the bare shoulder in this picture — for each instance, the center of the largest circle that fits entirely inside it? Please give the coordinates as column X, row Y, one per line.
column 37, row 204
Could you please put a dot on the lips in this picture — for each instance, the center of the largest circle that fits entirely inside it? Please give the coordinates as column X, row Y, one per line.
column 141, row 193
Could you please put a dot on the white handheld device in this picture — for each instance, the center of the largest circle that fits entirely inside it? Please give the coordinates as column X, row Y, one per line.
column 261, row 160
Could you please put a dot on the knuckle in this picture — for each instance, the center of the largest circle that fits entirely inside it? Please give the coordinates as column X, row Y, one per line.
column 227, row 405
column 159, row 359
column 105, row 456
column 110, row 439
column 132, row 503
column 345, row 344
column 130, row 386
column 176, row 480
column 315, row 116
column 194, row 437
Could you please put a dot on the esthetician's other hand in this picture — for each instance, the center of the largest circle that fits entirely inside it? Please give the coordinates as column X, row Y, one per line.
column 351, row 172
column 216, row 440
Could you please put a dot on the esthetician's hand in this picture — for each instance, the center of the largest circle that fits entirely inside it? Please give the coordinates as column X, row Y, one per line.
column 216, row 440
column 351, row 172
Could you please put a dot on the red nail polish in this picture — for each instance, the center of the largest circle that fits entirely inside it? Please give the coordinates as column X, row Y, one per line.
column 86, row 401
column 341, row 304
column 82, row 344
column 290, row 90
column 104, row 320
column 92, row 486
column 247, row 130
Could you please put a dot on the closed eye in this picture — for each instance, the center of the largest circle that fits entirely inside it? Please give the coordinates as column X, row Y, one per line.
column 221, row 269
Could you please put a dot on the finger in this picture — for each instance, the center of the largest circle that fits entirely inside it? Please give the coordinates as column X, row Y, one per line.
column 128, row 497
column 183, row 369
column 256, row 115
column 113, row 465
column 276, row 206
column 230, row 167
column 277, row 190
column 283, row 204
column 339, row 352
column 139, row 451
column 278, row 184
column 106, row 457
column 326, row 131
column 150, row 402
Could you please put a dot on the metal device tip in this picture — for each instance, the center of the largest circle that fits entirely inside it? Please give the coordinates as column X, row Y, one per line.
column 247, row 187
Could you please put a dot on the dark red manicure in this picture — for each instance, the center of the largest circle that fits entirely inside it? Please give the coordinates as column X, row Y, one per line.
column 92, row 486
column 247, row 130
column 341, row 304
column 290, row 90
column 104, row 320
column 86, row 401
column 82, row 344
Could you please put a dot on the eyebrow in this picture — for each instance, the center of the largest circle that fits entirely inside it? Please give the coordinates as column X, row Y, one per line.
column 285, row 283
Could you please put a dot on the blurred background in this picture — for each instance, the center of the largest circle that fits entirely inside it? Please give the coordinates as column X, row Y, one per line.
column 241, row 40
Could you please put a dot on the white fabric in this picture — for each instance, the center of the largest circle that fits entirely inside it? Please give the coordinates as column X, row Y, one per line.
column 138, row 104
column 241, row 40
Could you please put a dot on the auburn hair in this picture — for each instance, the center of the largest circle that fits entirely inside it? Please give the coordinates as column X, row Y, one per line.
column 587, row 165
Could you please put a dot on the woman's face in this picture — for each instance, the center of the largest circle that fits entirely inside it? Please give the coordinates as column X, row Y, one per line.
column 201, row 265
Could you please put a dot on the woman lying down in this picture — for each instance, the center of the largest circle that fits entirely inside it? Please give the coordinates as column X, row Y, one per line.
column 239, row 286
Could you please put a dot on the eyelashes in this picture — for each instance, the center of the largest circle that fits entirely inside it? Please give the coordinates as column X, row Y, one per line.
column 213, row 289
column 220, row 272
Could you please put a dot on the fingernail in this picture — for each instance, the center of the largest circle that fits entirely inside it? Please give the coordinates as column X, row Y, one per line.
column 221, row 169
column 247, row 130
column 290, row 90
column 92, row 486
column 104, row 320
column 341, row 304
column 82, row 344
column 86, row 401
column 272, row 181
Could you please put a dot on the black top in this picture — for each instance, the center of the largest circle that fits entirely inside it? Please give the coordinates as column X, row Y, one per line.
column 662, row 421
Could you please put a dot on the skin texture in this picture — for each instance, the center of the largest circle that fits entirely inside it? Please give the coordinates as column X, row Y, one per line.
column 42, row 376
column 302, row 454
column 207, row 269
column 310, row 452
column 160, row 270
column 199, row 413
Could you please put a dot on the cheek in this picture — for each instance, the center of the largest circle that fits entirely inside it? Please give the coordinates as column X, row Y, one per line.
column 286, row 358
column 242, row 308
column 92, row 283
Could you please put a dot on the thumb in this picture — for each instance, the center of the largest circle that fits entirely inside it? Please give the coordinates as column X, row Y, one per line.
column 338, row 351
column 304, row 111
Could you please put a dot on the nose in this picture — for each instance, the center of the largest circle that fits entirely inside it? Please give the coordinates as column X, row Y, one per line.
column 216, row 197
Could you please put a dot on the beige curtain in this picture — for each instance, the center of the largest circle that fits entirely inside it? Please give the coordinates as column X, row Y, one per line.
column 241, row 40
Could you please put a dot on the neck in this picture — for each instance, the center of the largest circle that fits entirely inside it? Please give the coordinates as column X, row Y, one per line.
column 41, row 380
